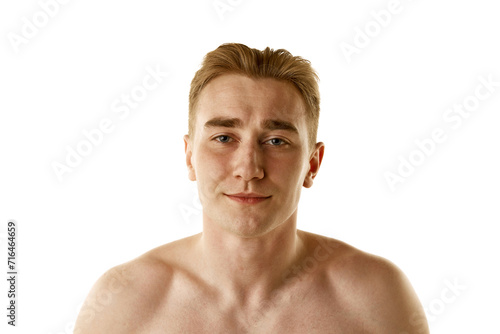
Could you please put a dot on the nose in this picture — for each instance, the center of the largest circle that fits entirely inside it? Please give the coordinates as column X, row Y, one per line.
column 248, row 162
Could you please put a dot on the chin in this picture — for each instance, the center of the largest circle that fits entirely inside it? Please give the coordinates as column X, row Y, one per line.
column 249, row 228
column 245, row 227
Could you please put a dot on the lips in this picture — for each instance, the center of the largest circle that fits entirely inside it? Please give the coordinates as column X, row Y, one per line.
column 248, row 198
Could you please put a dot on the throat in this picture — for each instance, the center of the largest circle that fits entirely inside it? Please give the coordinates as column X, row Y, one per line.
column 249, row 270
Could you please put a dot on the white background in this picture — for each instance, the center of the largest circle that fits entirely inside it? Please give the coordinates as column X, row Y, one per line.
column 131, row 193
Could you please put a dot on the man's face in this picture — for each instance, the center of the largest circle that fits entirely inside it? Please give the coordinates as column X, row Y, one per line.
column 250, row 153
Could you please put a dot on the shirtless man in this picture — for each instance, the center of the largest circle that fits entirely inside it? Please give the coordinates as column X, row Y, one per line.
column 251, row 147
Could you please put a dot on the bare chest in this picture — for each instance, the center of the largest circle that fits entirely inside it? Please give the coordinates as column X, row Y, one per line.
column 295, row 311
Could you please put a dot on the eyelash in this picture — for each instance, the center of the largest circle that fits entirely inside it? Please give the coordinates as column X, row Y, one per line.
column 217, row 139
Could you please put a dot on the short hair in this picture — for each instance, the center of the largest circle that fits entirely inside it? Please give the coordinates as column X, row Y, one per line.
column 277, row 64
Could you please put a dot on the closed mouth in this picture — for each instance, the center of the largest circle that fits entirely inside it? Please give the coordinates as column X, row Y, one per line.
column 249, row 198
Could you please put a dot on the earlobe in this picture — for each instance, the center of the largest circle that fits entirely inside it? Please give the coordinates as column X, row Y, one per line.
column 189, row 156
column 314, row 164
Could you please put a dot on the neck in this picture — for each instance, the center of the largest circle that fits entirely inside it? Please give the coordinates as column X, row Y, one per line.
column 248, row 269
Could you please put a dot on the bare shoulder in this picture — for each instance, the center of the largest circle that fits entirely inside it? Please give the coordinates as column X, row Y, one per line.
column 372, row 286
column 125, row 296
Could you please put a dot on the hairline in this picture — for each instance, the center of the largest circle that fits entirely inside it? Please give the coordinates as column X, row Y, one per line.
column 307, row 111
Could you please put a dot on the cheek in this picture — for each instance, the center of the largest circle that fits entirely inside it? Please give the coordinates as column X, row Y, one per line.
column 290, row 171
column 210, row 168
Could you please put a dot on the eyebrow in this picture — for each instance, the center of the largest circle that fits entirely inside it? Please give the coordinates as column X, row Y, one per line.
column 276, row 124
column 269, row 124
column 224, row 122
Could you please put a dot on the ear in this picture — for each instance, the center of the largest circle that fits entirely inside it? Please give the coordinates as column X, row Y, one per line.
column 314, row 164
column 189, row 155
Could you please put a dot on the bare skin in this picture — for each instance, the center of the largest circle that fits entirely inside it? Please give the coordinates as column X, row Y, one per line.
column 340, row 290
column 251, row 270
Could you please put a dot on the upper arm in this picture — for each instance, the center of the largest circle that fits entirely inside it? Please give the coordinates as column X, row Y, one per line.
column 395, row 307
column 104, row 310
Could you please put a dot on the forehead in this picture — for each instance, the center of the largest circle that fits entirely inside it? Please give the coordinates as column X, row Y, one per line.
column 235, row 95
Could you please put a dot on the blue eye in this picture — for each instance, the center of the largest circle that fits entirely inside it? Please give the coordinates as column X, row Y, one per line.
column 223, row 139
column 276, row 142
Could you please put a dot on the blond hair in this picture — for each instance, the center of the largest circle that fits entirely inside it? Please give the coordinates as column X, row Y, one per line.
column 277, row 64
